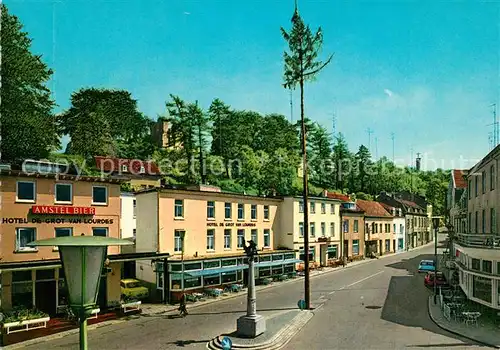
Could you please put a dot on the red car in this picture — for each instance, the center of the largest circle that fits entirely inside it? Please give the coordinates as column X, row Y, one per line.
column 440, row 280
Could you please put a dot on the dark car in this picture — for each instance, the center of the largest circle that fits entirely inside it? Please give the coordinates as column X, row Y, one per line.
column 437, row 278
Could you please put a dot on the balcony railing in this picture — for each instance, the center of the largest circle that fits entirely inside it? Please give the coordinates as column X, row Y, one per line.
column 479, row 240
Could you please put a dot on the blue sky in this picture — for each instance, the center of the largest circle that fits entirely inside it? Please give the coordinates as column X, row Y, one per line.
column 425, row 70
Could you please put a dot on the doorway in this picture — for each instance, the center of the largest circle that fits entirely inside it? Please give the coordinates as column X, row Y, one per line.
column 45, row 300
column 102, row 296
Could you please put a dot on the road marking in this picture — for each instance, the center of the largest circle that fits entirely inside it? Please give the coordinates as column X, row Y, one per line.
column 364, row 279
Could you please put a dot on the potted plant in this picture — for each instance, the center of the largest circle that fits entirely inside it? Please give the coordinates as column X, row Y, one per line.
column 22, row 319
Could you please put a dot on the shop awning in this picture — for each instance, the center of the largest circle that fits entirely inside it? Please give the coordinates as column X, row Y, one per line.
column 277, row 263
column 210, row 272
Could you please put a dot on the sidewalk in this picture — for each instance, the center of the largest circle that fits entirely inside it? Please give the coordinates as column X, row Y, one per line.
column 485, row 333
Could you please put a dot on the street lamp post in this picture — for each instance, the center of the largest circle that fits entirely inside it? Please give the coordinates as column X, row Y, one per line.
column 82, row 258
column 435, row 223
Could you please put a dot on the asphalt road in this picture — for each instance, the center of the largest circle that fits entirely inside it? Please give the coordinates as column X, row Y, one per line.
column 378, row 305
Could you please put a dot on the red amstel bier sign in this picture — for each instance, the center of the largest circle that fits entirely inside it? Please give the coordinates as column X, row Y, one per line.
column 62, row 210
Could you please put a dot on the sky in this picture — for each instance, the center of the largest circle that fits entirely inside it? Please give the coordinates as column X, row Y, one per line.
column 427, row 71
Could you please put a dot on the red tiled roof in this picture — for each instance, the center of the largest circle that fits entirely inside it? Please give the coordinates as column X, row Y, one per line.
column 339, row 196
column 372, row 208
column 387, row 207
column 458, row 178
column 133, row 166
column 409, row 203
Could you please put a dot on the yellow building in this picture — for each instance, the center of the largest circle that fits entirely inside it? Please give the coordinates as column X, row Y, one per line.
column 324, row 227
column 213, row 227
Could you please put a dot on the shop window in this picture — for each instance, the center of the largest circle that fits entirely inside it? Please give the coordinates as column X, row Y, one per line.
column 476, row 264
column 210, row 264
column 99, row 195
column 228, row 277
column 179, row 208
column 210, row 210
column 289, row 268
column 25, row 191
column 192, row 266
column 355, row 247
column 400, row 243
column 253, row 212
column 278, row 270
column 22, row 289
column 481, row 288
column 213, row 280
column 176, row 282
column 264, row 272
column 264, row 258
column 229, row 262
column 289, row 256
column 25, row 235
column 175, row 267
column 332, row 252
column 267, row 238
column 277, row 257
column 192, row 282
column 266, row 212
column 48, row 274
column 227, row 211
column 487, row 266
column 239, row 275
column 64, row 193
column 100, row 231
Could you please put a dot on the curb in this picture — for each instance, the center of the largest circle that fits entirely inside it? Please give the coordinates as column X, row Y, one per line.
column 200, row 304
column 278, row 341
column 448, row 329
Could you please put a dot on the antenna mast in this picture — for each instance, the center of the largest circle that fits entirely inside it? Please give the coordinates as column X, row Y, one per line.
column 495, row 136
column 392, row 138
column 370, row 132
column 376, row 148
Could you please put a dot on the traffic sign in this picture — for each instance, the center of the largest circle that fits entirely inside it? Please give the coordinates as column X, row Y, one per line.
column 226, row 343
column 301, row 304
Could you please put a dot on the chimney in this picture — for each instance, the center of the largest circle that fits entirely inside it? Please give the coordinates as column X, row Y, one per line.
column 325, row 193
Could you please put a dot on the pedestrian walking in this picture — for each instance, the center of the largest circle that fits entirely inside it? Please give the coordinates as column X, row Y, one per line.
column 182, row 307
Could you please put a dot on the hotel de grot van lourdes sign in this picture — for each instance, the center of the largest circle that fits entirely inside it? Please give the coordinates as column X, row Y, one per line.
column 231, row 224
column 74, row 213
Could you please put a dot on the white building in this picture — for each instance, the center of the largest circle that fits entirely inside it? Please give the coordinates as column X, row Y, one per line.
column 399, row 226
column 127, row 215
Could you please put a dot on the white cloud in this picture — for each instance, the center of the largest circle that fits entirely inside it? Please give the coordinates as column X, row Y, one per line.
column 388, row 92
column 187, row 13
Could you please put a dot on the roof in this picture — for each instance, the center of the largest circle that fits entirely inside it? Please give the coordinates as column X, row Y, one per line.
column 492, row 155
column 373, row 208
column 387, row 206
column 338, row 196
column 127, row 166
column 410, row 203
column 459, row 178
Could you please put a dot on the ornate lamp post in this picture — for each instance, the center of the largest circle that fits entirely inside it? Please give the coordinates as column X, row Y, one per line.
column 82, row 258
column 251, row 325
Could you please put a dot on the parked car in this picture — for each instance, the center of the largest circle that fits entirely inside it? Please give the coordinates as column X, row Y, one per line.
column 131, row 289
column 426, row 266
column 435, row 277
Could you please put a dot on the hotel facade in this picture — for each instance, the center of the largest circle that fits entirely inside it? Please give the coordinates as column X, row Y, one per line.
column 205, row 230
column 379, row 236
column 324, row 228
column 44, row 204
column 477, row 249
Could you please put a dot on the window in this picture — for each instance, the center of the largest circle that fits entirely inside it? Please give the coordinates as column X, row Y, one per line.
column 100, row 231
column 301, row 229
column 394, row 228
column 134, row 232
column 483, row 181
column 227, row 238
column 227, row 211
column 267, row 238
column 99, row 195
column 266, row 212
column 241, row 238
column 481, row 288
column 493, row 221
column 476, row 186
column 355, row 226
column 313, row 208
column 253, row 235
column 253, row 212
column 25, row 191
column 470, row 189
column 323, row 229
column 301, row 207
column 332, row 229
column 387, row 245
column 312, row 229
column 179, row 208
column 135, row 208
column 241, row 211
column 178, row 238
column 476, row 264
column 476, row 222
column 483, row 223
column 332, row 252
column 492, row 178
column 401, row 229
column 332, row 209
column 323, row 208
column 25, row 235
column 210, row 210
column 63, row 232
column 487, row 266
column 64, row 193
column 211, row 239
column 346, row 226
column 469, row 222
column 355, row 247
column 22, row 289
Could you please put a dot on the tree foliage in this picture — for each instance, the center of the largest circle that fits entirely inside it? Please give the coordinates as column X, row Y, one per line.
column 28, row 125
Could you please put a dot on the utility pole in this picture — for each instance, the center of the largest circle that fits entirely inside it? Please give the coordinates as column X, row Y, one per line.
column 392, row 138
column 490, row 140
column 370, row 132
